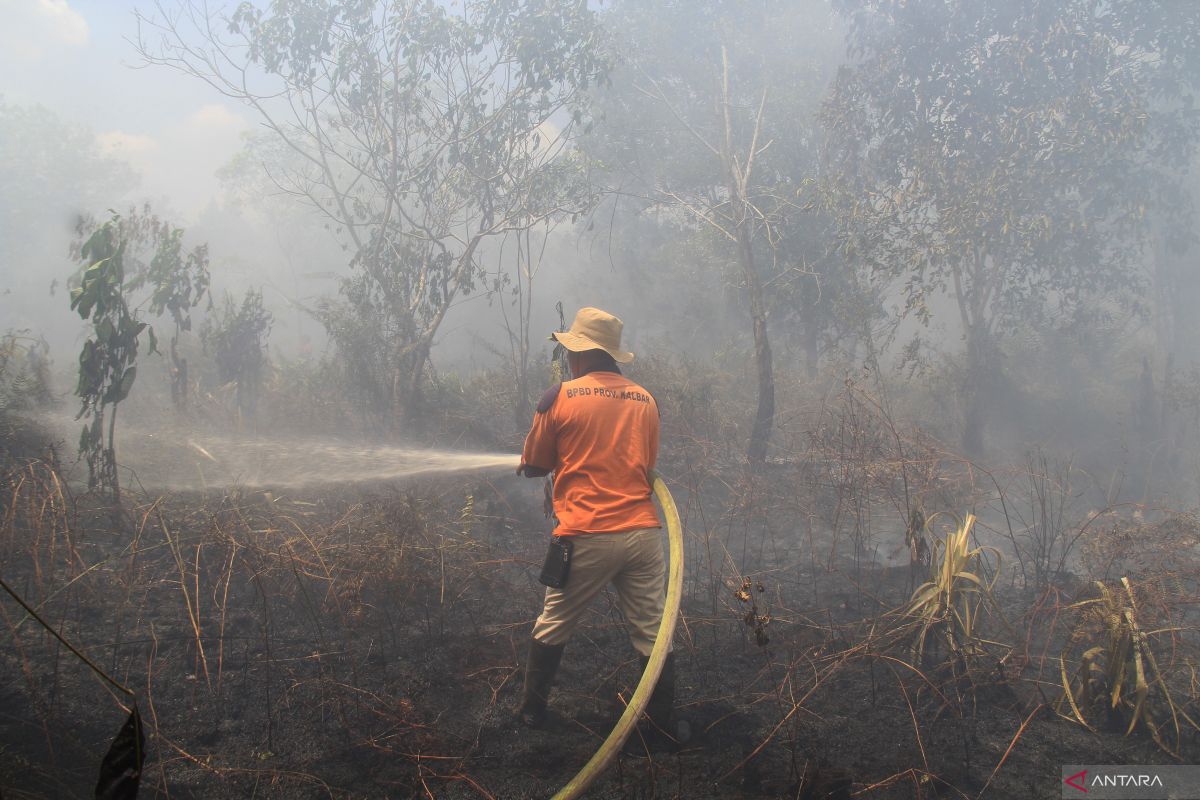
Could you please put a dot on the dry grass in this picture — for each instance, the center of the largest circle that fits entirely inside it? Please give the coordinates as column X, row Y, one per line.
column 252, row 605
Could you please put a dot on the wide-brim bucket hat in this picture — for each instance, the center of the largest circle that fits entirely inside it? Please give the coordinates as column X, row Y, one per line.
column 594, row 329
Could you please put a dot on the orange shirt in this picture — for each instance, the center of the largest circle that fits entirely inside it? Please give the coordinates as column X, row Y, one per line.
column 600, row 437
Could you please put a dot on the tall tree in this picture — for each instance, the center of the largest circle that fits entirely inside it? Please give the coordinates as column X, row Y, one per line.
column 712, row 117
column 422, row 131
column 1004, row 152
column 50, row 172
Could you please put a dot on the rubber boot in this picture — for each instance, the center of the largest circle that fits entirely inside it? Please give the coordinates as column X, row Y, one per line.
column 539, row 676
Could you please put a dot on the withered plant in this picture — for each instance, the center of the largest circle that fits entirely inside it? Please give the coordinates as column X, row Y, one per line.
column 946, row 610
column 1118, row 676
column 756, row 619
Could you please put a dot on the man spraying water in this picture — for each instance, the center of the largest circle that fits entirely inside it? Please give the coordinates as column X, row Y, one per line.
column 598, row 434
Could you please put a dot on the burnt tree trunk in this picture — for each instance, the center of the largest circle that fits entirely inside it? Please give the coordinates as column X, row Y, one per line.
column 764, row 417
column 976, row 285
column 737, row 173
column 977, row 391
column 179, row 376
column 406, row 385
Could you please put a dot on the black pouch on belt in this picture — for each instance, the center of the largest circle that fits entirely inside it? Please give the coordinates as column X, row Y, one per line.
column 558, row 563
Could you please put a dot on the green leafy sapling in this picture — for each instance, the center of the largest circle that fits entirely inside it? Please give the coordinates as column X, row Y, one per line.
column 106, row 362
column 177, row 283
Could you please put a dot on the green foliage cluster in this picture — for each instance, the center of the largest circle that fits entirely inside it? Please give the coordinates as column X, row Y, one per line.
column 106, row 362
column 127, row 258
column 1007, row 154
column 358, row 328
column 424, row 131
column 177, row 282
column 1015, row 158
column 711, row 118
column 237, row 336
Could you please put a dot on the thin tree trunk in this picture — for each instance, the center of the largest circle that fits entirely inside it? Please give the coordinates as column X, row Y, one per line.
column 398, row 408
column 812, row 344
column 975, row 389
column 738, row 177
column 972, row 291
column 415, row 374
column 764, row 417
column 110, row 458
column 406, row 386
column 179, row 376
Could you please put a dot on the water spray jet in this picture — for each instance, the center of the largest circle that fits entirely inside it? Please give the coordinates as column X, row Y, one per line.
column 166, row 460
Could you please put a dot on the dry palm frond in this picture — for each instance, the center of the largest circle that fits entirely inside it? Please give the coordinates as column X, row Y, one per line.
column 1119, row 674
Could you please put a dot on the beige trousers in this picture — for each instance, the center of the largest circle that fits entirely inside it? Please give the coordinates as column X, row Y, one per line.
column 633, row 562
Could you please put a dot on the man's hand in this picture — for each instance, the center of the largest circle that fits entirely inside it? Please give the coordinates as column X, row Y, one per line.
column 530, row 471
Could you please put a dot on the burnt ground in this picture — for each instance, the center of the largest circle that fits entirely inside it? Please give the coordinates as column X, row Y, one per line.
column 367, row 641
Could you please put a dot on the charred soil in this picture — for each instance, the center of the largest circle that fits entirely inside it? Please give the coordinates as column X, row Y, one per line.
column 368, row 641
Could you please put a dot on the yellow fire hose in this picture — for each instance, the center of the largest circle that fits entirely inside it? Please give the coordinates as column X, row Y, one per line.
column 662, row 643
